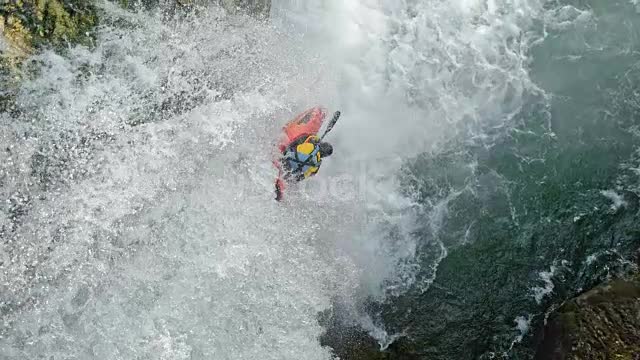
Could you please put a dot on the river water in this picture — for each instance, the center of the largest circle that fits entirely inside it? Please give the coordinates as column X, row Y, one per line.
column 485, row 169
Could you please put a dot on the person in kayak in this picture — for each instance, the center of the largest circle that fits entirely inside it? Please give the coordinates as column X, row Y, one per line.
column 301, row 149
column 301, row 160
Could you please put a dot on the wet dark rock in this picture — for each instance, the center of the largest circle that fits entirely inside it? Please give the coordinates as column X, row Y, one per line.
column 603, row 323
column 252, row 7
column 171, row 8
column 349, row 341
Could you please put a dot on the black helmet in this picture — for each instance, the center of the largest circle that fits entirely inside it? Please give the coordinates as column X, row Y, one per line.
column 325, row 149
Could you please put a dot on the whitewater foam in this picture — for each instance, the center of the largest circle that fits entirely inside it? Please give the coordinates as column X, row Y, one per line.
column 617, row 199
column 411, row 76
column 141, row 215
column 148, row 226
column 540, row 292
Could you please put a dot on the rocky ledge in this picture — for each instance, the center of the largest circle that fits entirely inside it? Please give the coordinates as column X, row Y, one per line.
column 603, row 323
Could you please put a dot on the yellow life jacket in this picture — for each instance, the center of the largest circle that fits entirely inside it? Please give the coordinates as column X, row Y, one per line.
column 306, row 159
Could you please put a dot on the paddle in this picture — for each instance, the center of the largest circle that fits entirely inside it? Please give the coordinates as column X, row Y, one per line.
column 332, row 123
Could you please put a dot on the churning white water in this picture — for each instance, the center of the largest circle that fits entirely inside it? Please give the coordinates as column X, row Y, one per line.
column 410, row 76
column 140, row 221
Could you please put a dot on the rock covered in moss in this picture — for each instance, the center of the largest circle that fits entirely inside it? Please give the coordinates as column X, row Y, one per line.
column 603, row 323
column 27, row 24
column 64, row 20
column 15, row 46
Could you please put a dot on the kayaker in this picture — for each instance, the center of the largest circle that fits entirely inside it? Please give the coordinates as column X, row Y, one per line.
column 301, row 157
column 302, row 160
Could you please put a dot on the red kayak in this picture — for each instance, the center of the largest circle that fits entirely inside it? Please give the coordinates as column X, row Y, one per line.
column 304, row 125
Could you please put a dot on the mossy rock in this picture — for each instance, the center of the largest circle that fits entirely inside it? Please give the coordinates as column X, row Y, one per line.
column 26, row 25
column 29, row 24
column 603, row 323
column 62, row 21
column 16, row 37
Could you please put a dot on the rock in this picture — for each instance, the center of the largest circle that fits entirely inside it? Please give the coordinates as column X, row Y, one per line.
column 603, row 323
column 16, row 39
column 253, row 7
column 351, row 342
column 26, row 25
column 15, row 46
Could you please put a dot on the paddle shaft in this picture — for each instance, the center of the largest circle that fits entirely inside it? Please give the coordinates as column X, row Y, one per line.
column 333, row 122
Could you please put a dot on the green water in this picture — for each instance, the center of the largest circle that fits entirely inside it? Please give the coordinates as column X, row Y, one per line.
column 528, row 199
